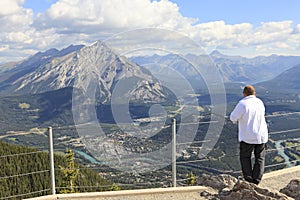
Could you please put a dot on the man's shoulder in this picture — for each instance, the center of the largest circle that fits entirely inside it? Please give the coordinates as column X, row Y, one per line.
column 250, row 99
column 258, row 99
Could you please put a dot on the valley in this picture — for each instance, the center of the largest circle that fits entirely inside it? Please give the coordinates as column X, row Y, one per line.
column 121, row 127
column 117, row 146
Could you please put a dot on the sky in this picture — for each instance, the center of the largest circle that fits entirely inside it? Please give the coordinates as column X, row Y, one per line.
column 233, row 27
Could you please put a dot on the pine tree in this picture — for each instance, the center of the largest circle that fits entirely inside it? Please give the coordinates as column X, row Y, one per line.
column 69, row 172
column 114, row 187
column 191, row 179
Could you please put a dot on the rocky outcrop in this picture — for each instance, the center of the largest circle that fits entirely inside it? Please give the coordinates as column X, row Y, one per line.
column 226, row 187
column 292, row 189
column 245, row 190
column 223, row 182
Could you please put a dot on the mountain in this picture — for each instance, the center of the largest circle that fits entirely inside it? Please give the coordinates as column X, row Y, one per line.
column 78, row 66
column 287, row 81
column 18, row 70
column 174, row 69
column 253, row 70
column 231, row 68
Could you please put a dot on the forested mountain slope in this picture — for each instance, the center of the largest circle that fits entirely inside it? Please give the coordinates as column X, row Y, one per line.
column 26, row 170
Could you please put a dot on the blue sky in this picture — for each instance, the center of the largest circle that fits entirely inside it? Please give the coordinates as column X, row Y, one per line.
column 38, row 5
column 238, row 11
column 234, row 27
column 231, row 11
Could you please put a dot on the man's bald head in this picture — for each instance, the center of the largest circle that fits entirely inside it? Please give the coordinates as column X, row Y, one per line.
column 249, row 90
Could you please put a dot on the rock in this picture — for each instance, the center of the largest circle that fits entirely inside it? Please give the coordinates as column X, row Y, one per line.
column 246, row 190
column 221, row 182
column 292, row 189
column 207, row 195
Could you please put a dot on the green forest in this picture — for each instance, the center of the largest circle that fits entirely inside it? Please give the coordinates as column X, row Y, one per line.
column 25, row 173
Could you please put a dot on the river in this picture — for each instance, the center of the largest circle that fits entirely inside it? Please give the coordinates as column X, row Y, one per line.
column 88, row 157
column 280, row 150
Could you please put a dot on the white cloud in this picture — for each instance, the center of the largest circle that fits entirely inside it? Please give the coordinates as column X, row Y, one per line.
column 83, row 21
column 93, row 15
column 13, row 16
column 274, row 37
column 272, row 32
column 217, row 33
column 9, row 7
column 18, row 39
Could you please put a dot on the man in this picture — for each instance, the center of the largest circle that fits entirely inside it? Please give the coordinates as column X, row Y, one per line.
column 253, row 134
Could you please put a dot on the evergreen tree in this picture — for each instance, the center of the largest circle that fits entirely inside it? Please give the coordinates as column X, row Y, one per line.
column 69, row 172
column 191, row 179
column 114, row 187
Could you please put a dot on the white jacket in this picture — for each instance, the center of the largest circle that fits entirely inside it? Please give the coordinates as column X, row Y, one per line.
column 250, row 115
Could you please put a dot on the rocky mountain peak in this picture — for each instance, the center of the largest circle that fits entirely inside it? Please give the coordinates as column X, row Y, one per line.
column 75, row 66
column 216, row 54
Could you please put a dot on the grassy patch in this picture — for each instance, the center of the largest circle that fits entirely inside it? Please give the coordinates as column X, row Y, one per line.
column 278, row 159
column 24, row 105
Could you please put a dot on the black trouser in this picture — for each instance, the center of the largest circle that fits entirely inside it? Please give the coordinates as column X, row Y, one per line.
column 252, row 174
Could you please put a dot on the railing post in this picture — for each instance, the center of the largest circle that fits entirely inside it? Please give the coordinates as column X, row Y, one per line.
column 174, row 152
column 51, row 156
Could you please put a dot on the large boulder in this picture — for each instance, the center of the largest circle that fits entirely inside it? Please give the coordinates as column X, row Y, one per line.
column 218, row 182
column 245, row 190
column 292, row 189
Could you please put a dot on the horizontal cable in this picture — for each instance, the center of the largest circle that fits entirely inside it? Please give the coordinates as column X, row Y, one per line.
column 231, row 155
column 26, row 174
column 63, row 128
column 59, row 150
column 181, row 180
column 26, row 194
column 22, row 154
column 87, row 186
column 193, row 123
column 192, row 161
column 108, row 186
column 286, row 131
column 273, row 165
column 167, row 125
column 282, row 114
column 194, row 142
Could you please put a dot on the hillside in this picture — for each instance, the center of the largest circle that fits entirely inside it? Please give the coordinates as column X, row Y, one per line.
column 287, row 81
column 23, row 112
column 30, row 160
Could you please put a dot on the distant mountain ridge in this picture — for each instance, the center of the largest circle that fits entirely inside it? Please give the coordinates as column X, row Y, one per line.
column 231, row 68
column 54, row 69
column 253, row 70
